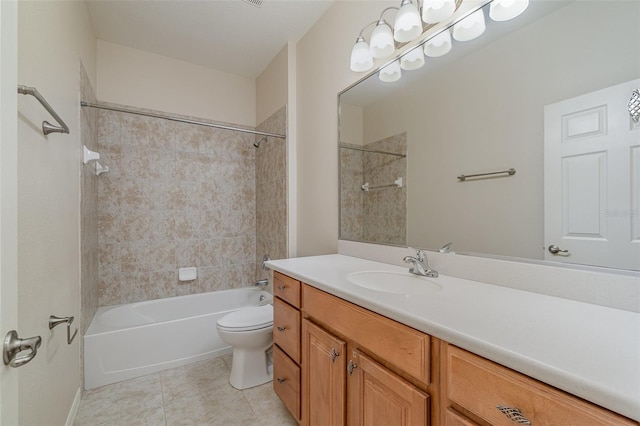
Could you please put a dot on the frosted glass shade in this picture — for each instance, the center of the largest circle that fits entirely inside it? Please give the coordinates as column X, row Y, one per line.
column 470, row 27
column 361, row 59
column 434, row 11
column 391, row 72
column 439, row 45
column 503, row 10
column 407, row 25
column 382, row 44
column 412, row 60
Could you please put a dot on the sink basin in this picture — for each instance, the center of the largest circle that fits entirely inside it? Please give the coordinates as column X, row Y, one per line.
column 393, row 282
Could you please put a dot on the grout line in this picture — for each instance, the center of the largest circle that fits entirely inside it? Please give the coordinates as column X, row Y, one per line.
column 164, row 405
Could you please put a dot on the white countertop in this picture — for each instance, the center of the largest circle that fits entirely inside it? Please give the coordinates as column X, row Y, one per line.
column 587, row 350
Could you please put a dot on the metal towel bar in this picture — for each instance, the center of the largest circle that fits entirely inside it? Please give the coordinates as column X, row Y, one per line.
column 46, row 126
column 509, row 172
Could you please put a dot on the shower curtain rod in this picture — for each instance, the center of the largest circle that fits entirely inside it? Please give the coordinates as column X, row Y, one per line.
column 181, row 120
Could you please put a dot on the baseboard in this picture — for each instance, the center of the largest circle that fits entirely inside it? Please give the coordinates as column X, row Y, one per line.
column 71, row 418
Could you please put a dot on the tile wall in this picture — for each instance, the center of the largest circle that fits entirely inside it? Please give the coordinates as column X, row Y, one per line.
column 176, row 195
column 88, row 208
column 271, row 191
column 377, row 215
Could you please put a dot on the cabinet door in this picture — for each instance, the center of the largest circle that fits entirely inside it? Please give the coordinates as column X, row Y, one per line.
column 323, row 377
column 379, row 397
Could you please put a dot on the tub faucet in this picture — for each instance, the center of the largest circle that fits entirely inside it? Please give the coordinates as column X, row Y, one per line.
column 420, row 265
column 262, row 283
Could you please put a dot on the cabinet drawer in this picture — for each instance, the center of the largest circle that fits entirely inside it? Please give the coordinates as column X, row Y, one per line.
column 453, row 418
column 480, row 385
column 403, row 347
column 286, row 381
column 286, row 328
column 286, row 288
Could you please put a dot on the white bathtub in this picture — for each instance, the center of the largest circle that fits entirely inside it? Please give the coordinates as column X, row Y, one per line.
column 127, row 341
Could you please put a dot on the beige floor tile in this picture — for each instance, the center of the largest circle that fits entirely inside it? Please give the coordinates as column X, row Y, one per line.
column 223, row 405
column 196, row 378
column 268, row 407
column 133, row 402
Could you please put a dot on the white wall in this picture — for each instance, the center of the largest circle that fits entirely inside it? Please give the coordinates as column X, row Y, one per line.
column 272, row 86
column 322, row 72
column 146, row 80
column 52, row 36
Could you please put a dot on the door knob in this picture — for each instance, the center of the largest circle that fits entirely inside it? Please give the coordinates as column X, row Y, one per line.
column 554, row 249
column 13, row 345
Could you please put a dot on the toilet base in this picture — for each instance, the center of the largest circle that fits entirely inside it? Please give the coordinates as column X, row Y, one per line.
column 250, row 368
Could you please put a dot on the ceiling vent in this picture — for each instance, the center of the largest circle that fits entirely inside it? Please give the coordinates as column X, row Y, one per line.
column 256, row 3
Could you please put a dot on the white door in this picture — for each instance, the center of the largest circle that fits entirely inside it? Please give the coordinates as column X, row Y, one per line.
column 592, row 179
column 8, row 202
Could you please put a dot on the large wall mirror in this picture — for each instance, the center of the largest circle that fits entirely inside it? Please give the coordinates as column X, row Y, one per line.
column 546, row 95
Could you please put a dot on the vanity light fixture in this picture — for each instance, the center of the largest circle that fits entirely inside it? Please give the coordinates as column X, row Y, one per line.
column 407, row 25
column 361, row 59
column 413, row 59
column 503, row 10
column 434, row 11
column 470, row 27
column 391, row 72
column 439, row 45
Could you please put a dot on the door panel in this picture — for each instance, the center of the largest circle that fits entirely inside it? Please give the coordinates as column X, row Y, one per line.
column 323, row 381
column 380, row 397
column 592, row 179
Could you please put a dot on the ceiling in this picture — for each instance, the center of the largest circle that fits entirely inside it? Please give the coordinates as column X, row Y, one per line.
column 227, row 35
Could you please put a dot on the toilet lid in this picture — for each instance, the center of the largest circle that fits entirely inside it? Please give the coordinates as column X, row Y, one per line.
column 252, row 318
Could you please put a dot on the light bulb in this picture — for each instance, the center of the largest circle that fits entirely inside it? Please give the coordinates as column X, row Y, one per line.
column 434, row 11
column 439, row 45
column 412, row 60
column 503, row 10
column 391, row 72
column 407, row 25
column 382, row 44
column 361, row 59
column 470, row 27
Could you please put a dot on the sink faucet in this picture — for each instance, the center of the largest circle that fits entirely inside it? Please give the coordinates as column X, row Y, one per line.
column 420, row 265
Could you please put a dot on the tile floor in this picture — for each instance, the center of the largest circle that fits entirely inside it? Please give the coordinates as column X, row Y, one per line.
column 195, row 394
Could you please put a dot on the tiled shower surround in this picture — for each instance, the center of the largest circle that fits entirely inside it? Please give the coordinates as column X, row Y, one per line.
column 377, row 215
column 177, row 195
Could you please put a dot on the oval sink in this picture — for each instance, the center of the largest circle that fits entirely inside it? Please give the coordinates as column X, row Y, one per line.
column 393, row 282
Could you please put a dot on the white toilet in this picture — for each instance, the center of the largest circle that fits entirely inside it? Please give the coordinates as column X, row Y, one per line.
column 250, row 332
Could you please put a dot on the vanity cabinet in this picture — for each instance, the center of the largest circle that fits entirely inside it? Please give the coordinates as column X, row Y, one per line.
column 286, row 339
column 357, row 367
column 479, row 391
column 341, row 381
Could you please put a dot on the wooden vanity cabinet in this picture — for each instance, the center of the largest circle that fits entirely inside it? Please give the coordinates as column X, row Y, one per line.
column 479, row 391
column 342, row 383
column 351, row 366
column 286, row 339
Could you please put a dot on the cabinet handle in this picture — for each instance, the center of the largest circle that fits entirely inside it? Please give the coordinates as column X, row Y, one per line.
column 334, row 355
column 351, row 366
column 281, row 287
column 281, row 380
column 513, row 414
column 281, row 329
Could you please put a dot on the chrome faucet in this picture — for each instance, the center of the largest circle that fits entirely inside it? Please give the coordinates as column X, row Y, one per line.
column 420, row 265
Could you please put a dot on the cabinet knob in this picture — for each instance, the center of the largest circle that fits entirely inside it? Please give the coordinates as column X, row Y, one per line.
column 281, row 329
column 351, row 366
column 513, row 414
column 281, row 380
column 334, row 355
column 281, row 287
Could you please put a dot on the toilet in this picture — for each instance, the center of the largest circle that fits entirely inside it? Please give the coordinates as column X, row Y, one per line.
column 250, row 332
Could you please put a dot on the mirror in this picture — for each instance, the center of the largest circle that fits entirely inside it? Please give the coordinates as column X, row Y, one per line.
column 544, row 94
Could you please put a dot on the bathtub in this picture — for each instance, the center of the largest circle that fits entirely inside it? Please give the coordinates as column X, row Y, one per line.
column 127, row 341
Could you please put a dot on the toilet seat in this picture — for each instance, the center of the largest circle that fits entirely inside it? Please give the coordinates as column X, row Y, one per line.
column 247, row 319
